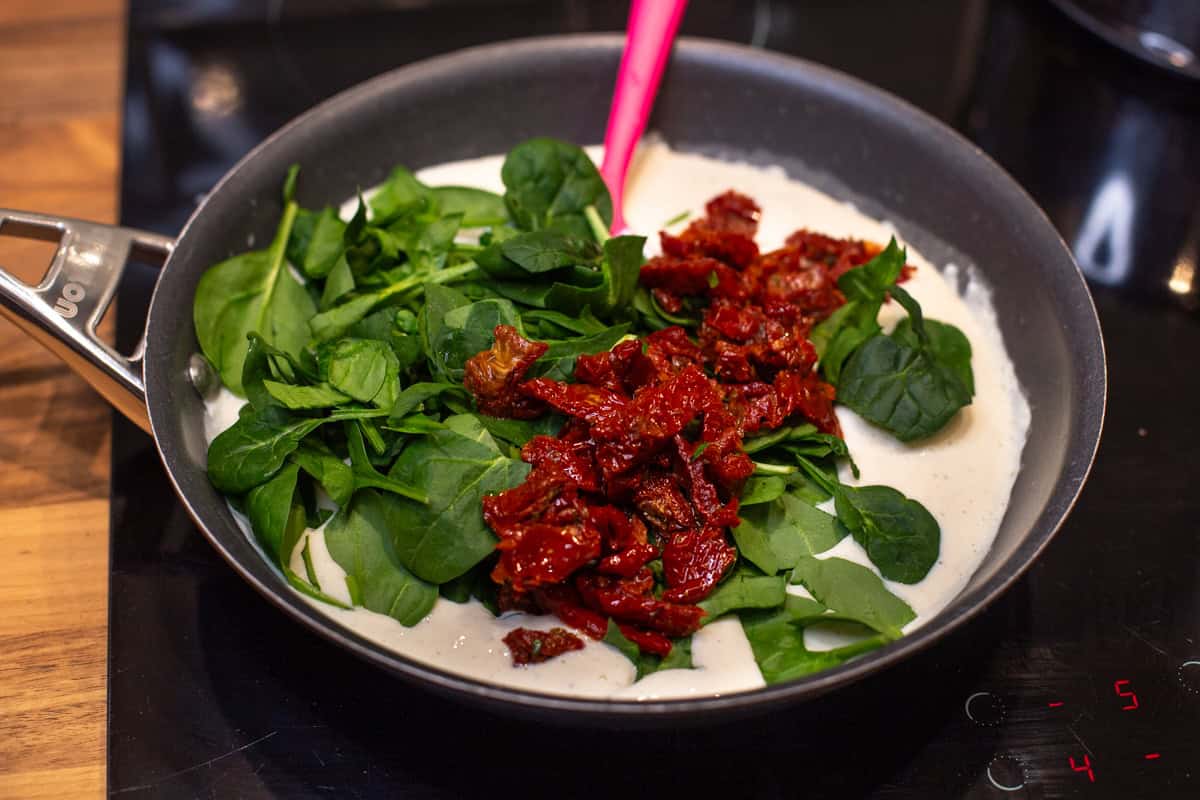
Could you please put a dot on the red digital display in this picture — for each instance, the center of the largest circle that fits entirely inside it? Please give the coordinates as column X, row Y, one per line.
column 1122, row 689
column 1085, row 767
column 1055, row 704
column 1152, row 756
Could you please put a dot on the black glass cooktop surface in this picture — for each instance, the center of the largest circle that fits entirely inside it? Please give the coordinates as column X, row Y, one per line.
column 1082, row 681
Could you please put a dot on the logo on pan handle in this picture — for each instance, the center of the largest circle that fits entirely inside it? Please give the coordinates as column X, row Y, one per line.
column 67, row 303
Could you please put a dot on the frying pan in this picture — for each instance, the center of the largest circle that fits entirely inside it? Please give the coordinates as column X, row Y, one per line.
column 849, row 139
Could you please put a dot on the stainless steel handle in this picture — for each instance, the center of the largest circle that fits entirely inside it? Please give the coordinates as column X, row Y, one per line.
column 62, row 311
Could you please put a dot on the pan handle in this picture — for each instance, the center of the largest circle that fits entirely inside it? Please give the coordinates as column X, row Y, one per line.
column 62, row 311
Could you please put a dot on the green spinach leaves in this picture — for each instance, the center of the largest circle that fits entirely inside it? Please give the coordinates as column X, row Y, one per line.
column 251, row 293
column 549, row 183
column 910, row 383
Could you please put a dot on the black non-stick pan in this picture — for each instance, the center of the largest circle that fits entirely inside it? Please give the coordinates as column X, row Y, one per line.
column 848, row 138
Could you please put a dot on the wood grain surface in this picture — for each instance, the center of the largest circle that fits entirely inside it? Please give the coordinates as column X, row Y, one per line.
column 60, row 91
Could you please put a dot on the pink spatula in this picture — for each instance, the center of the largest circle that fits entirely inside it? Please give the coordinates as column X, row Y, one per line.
column 652, row 26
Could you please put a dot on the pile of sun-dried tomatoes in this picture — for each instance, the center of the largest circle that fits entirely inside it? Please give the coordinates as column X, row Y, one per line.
column 625, row 514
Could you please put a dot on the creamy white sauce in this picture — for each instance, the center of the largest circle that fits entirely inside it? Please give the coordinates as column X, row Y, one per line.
column 963, row 475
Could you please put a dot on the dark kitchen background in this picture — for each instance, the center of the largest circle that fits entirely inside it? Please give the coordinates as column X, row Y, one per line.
column 1083, row 681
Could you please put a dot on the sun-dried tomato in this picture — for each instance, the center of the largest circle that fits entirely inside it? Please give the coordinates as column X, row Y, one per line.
column 593, row 404
column 735, row 249
column 811, row 396
column 618, row 530
column 681, row 276
column 733, row 212
column 694, row 562
column 668, row 302
column 533, row 647
column 628, row 562
column 670, row 351
column 536, row 553
column 562, row 600
column 655, row 427
column 647, row 641
column 702, row 491
column 615, row 598
column 574, row 459
column 661, row 502
column 509, row 599
column 547, row 494
column 494, row 374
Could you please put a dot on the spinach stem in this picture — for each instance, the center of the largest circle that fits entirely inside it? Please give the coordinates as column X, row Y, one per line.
column 463, row 270
column 680, row 217
column 599, row 229
column 277, row 261
column 763, row 468
column 818, row 477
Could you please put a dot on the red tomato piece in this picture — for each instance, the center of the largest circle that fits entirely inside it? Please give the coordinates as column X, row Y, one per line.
column 537, row 553
column 647, row 641
column 494, row 375
column 694, row 562
column 533, row 647
column 574, row 459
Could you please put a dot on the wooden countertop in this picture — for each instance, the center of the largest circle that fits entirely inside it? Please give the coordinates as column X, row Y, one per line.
column 61, row 71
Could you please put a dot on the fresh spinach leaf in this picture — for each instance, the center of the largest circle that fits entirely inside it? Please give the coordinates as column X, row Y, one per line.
column 277, row 520
column 338, row 284
column 334, row 475
column 478, row 207
column 548, row 184
column 583, row 325
column 777, row 639
column 745, row 588
column 910, row 390
column 761, row 442
column 558, row 362
column 334, row 322
column 855, row 593
column 947, row 345
column 517, row 432
column 251, row 293
column 368, row 248
column 607, row 292
column 463, row 331
column 365, row 369
column 316, row 242
column 474, row 583
column 455, row 467
column 359, row 540
column 528, row 255
column 865, row 288
column 304, row 587
column 901, row 388
column 900, row 536
column 415, row 395
column 294, row 397
column 774, row 536
column 429, row 246
column 402, row 195
column 365, row 474
column 255, row 370
column 649, row 314
column 252, row 450
column 761, row 489
column 645, row 664
column 431, row 322
column 414, row 424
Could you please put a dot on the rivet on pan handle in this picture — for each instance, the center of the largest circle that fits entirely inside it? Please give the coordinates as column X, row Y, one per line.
column 62, row 311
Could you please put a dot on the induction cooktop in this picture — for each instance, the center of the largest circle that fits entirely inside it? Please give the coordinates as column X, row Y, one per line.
column 1082, row 681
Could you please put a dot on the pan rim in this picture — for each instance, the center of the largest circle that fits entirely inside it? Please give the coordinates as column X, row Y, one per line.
column 1081, row 447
